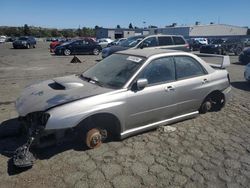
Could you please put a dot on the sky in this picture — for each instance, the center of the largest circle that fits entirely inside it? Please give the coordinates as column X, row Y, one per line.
column 110, row 13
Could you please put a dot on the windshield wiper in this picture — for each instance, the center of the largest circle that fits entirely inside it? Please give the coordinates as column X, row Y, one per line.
column 92, row 80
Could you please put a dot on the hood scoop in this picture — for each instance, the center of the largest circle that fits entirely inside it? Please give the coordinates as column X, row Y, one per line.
column 56, row 86
column 65, row 83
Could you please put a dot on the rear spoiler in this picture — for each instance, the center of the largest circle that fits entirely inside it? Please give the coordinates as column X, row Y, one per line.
column 219, row 61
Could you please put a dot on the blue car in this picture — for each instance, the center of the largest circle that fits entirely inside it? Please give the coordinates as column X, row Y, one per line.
column 25, row 42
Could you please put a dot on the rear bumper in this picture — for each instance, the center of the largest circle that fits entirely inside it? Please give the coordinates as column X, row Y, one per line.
column 227, row 93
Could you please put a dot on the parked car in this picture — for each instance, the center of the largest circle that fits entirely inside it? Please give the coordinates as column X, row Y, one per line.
column 24, row 42
column 11, row 39
column 194, row 45
column 117, row 42
column 244, row 56
column 56, row 43
column 125, row 94
column 151, row 41
column 228, row 46
column 104, row 42
column 203, row 41
column 83, row 46
column 214, row 48
column 247, row 72
column 247, row 42
column 3, row 39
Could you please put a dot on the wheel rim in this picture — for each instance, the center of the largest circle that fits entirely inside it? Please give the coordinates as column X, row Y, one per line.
column 93, row 138
column 96, row 51
column 238, row 51
column 28, row 46
column 67, row 52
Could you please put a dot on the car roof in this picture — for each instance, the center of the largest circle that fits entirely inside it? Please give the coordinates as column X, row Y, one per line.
column 146, row 52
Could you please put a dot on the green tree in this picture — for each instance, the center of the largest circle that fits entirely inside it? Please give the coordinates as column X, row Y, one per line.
column 130, row 26
column 26, row 30
column 118, row 26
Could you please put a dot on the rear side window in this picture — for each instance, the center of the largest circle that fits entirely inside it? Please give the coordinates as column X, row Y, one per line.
column 178, row 40
column 187, row 67
column 165, row 41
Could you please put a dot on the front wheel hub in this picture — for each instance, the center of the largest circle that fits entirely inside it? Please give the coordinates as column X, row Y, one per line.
column 93, row 138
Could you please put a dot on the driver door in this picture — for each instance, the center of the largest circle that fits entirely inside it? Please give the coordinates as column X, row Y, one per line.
column 156, row 101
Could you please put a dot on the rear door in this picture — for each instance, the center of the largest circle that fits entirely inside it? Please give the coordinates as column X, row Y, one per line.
column 77, row 47
column 165, row 42
column 88, row 46
column 192, row 85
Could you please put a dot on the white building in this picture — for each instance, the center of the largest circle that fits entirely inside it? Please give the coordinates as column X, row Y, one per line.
column 212, row 30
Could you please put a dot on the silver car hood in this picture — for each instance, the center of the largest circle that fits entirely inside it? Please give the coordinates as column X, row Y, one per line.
column 50, row 93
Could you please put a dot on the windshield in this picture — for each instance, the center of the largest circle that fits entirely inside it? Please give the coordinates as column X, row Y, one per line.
column 132, row 41
column 23, row 38
column 114, row 71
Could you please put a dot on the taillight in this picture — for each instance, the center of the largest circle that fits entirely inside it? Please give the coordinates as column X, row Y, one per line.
column 187, row 46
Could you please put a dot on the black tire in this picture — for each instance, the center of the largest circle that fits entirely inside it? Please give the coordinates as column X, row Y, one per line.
column 34, row 46
column 67, row 52
column 96, row 51
column 213, row 102
column 238, row 51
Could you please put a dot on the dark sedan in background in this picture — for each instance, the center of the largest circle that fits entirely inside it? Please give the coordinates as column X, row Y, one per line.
column 83, row 46
column 245, row 56
column 225, row 46
column 215, row 47
column 25, row 42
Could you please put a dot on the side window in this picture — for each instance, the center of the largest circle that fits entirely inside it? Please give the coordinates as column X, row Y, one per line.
column 165, row 41
column 178, row 40
column 78, row 43
column 159, row 70
column 187, row 67
column 85, row 42
column 150, row 42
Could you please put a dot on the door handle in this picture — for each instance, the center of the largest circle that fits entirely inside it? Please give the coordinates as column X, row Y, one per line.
column 204, row 81
column 169, row 88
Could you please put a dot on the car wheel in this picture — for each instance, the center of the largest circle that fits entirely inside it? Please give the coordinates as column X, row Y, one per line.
column 34, row 46
column 205, row 106
column 215, row 101
column 93, row 138
column 238, row 51
column 96, row 51
column 28, row 46
column 67, row 52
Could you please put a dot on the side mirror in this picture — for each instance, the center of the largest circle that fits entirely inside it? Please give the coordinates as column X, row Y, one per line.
column 141, row 83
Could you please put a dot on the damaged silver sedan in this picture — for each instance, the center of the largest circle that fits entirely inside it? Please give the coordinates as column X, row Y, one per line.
column 127, row 93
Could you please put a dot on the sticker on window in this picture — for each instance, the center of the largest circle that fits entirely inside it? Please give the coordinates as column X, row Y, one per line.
column 134, row 59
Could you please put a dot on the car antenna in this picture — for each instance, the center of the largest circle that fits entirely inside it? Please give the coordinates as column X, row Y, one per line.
column 75, row 60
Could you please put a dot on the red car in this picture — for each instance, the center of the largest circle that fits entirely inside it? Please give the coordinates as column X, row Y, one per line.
column 54, row 44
